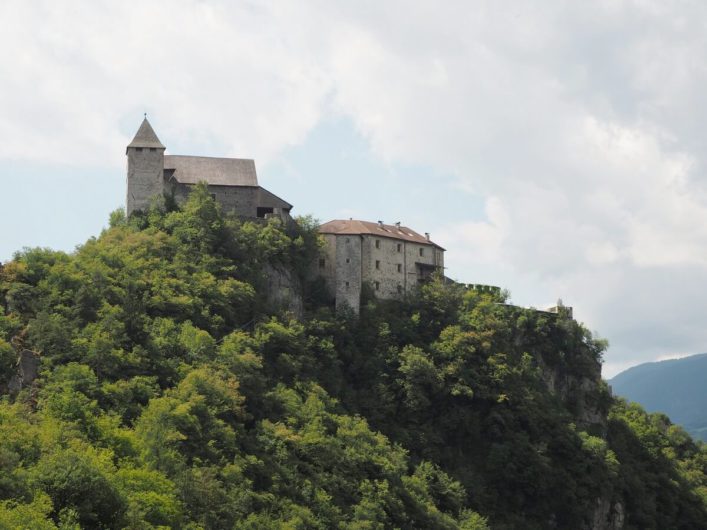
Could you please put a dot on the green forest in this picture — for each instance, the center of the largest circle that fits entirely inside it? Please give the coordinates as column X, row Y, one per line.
column 174, row 393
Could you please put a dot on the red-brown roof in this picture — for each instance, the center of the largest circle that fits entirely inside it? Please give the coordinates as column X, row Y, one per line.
column 355, row 227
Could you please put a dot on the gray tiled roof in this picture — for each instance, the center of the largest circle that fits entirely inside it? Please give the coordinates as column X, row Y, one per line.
column 355, row 227
column 214, row 171
column 146, row 137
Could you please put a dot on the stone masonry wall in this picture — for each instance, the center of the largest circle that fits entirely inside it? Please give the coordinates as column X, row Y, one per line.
column 392, row 264
column 145, row 177
column 348, row 271
column 388, row 265
column 326, row 266
column 241, row 200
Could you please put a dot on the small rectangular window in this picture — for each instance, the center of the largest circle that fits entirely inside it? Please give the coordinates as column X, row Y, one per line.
column 378, row 243
column 347, row 285
column 322, row 262
column 422, row 251
column 400, row 289
column 400, row 268
column 348, row 260
column 213, row 196
column 378, row 264
column 262, row 211
column 378, row 286
column 153, row 149
column 138, row 149
column 400, row 247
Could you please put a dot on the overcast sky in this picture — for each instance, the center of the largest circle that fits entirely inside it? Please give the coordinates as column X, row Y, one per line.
column 554, row 148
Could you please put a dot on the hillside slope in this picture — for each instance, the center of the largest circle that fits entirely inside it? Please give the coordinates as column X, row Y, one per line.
column 675, row 387
column 174, row 391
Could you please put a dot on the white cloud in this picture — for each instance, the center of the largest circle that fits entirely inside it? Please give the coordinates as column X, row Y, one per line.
column 580, row 126
column 479, row 242
column 240, row 75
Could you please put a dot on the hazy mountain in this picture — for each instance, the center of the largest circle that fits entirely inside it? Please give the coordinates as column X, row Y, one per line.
column 675, row 387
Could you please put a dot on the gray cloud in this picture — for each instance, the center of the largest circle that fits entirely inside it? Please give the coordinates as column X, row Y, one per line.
column 579, row 124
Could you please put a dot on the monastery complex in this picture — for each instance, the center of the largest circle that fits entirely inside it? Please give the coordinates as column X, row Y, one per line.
column 391, row 259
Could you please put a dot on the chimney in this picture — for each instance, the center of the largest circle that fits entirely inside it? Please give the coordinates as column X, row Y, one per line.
column 427, row 236
column 380, row 224
column 397, row 225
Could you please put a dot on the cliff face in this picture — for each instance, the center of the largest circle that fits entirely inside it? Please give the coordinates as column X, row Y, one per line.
column 575, row 380
column 27, row 370
column 654, row 474
column 284, row 289
column 607, row 515
column 588, row 398
column 586, row 394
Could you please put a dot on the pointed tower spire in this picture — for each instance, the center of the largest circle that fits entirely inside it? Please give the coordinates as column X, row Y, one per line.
column 145, row 168
column 146, row 137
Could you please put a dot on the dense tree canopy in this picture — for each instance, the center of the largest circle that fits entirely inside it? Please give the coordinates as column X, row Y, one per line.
column 175, row 393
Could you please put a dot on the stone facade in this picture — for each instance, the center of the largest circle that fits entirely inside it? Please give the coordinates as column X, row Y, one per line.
column 145, row 178
column 240, row 200
column 232, row 182
column 392, row 259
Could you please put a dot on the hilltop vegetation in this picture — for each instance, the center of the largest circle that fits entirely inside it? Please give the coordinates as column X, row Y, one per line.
column 174, row 393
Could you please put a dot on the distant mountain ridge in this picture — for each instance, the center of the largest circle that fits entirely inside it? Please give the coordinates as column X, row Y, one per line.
column 675, row 387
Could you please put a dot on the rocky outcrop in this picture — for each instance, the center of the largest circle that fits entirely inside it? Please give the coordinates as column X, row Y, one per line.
column 608, row 516
column 284, row 289
column 27, row 371
column 587, row 396
column 584, row 395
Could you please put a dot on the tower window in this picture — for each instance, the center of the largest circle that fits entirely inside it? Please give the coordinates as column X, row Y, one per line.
column 348, row 260
column 378, row 243
column 347, row 285
column 400, row 247
column 400, row 268
column 153, row 149
column 422, row 251
column 378, row 286
column 378, row 264
column 138, row 149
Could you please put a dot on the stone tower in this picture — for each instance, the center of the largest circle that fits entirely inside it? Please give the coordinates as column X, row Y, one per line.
column 145, row 168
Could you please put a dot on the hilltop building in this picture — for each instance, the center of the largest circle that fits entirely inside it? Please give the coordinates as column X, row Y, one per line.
column 232, row 182
column 392, row 259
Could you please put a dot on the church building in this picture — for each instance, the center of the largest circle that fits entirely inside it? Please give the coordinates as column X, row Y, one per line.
column 232, row 182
